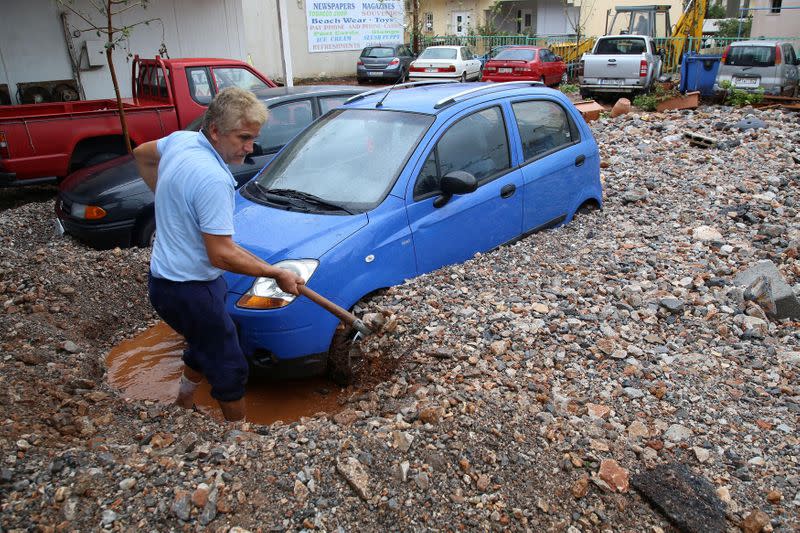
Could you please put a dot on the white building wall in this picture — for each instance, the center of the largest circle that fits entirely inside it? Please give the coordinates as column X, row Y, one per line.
column 551, row 20
column 32, row 45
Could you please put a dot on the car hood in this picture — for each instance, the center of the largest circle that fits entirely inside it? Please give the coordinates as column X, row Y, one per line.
column 276, row 234
column 116, row 178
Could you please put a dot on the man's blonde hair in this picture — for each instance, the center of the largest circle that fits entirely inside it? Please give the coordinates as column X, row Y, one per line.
column 233, row 107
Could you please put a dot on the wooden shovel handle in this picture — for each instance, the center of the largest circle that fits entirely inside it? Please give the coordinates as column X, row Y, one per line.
column 339, row 312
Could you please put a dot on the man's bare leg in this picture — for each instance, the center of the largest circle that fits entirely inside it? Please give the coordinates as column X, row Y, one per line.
column 233, row 411
column 189, row 382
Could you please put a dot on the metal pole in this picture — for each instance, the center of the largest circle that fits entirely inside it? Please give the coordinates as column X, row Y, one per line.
column 286, row 48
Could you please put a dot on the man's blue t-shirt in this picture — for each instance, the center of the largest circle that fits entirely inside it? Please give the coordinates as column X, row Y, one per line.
column 194, row 195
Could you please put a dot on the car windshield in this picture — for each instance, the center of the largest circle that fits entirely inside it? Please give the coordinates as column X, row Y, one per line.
column 622, row 45
column 516, row 55
column 350, row 158
column 751, row 56
column 438, row 53
column 378, row 51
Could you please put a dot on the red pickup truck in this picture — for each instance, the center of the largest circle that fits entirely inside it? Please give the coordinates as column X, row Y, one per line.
column 41, row 142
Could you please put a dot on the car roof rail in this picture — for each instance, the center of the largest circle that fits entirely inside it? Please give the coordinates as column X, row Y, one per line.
column 444, row 102
column 359, row 96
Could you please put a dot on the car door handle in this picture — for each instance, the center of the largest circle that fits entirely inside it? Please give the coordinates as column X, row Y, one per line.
column 508, row 191
column 579, row 160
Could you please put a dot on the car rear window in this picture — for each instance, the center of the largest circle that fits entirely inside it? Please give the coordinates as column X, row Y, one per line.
column 751, row 56
column 621, row 46
column 438, row 53
column 518, row 55
column 378, row 51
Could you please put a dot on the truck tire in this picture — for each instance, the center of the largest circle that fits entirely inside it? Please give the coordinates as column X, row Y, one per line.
column 585, row 94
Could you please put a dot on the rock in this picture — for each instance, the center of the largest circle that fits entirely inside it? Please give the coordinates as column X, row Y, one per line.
column 402, row 440
column 597, row 411
column 483, row 482
column 499, row 347
column 127, row 483
column 430, row 415
column 581, row 487
column 755, row 522
column 301, row 492
column 686, row 499
column 677, row 433
column 750, row 123
column 200, row 495
column 346, row 417
column 702, row 454
column 423, row 481
column 621, row 107
column 637, row 429
column 108, row 517
column 673, row 305
column 182, row 505
column 706, row 233
column 355, row 475
column 614, row 475
column 774, row 496
column 70, row 347
column 772, row 293
column 635, row 195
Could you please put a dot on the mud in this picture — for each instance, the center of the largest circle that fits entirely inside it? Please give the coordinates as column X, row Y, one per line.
column 148, row 367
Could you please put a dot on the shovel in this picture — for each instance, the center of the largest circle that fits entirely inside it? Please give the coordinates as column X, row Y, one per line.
column 339, row 312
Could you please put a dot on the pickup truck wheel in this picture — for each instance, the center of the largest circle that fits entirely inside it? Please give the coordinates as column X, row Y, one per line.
column 585, row 94
column 147, row 233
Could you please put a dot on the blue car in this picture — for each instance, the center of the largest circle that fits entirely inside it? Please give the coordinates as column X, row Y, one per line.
column 394, row 184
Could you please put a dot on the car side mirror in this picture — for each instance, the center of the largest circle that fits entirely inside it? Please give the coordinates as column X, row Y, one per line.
column 456, row 182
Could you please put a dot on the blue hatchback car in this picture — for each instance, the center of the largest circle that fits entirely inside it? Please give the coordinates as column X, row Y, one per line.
column 397, row 183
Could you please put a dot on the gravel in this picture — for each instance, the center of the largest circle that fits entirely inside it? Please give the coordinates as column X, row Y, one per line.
column 527, row 384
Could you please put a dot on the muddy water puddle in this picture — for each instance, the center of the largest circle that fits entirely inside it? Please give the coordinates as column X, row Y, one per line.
column 149, row 367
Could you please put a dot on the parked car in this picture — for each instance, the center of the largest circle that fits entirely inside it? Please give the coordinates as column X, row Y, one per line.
column 369, row 196
column 445, row 62
column 491, row 54
column 518, row 63
column 384, row 62
column 42, row 142
column 620, row 64
column 768, row 65
column 109, row 205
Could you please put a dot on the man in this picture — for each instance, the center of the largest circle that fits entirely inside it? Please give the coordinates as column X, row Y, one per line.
column 194, row 198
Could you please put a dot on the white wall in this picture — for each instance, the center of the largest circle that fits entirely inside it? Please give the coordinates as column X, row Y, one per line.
column 32, row 46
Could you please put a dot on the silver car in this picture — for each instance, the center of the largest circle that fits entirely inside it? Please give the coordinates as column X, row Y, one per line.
column 770, row 65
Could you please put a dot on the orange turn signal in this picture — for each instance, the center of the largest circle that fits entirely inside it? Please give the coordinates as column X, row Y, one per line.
column 250, row 301
column 94, row 213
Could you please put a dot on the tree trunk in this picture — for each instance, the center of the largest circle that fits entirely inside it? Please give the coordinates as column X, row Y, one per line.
column 110, row 60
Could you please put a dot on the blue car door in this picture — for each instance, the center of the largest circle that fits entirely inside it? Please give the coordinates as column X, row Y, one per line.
column 554, row 162
column 475, row 222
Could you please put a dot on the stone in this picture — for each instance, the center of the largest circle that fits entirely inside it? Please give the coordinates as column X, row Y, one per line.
column 597, row 411
column 402, row 440
column 127, row 483
column 634, row 195
column 638, row 429
column 200, row 495
column 108, row 517
column 581, row 487
column 430, row 415
column 702, row 454
column 688, row 500
column 483, row 482
column 673, row 305
column 755, row 522
column 750, row 123
column 776, row 296
column 614, row 475
column 182, row 505
column 355, row 475
column 70, row 347
column 301, row 492
column 423, row 481
column 677, row 433
column 706, row 233
column 345, row 417
column 621, row 107
column 499, row 347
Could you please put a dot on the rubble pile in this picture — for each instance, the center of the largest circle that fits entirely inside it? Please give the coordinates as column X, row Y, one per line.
column 593, row 377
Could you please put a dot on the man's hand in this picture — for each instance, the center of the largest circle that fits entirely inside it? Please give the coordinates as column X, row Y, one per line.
column 147, row 159
column 288, row 281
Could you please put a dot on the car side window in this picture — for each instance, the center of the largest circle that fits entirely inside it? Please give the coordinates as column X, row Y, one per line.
column 237, row 77
column 476, row 144
column 327, row 103
column 284, row 122
column 789, row 58
column 543, row 127
column 199, row 85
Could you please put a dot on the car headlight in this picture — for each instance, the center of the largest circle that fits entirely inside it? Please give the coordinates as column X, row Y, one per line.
column 88, row 212
column 265, row 293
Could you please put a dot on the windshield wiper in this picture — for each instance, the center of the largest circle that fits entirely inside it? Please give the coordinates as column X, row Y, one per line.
column 263, row 192
column 307, row 197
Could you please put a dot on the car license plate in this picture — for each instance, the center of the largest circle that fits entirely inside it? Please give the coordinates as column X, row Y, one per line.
column 431, row 70
column 745, row 82
column 374, row 73
column 504, row 70
column 610, row 81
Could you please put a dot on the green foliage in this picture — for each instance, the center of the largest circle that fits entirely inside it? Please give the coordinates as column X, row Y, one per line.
column 739, row 97
column 646, row 101
column 716, row 11
column 730, row 28
column 569, row 88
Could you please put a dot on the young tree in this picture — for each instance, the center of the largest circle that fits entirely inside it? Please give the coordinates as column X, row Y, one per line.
column 108, row 11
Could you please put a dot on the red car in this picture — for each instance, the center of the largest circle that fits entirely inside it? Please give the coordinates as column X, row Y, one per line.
column 522, row 63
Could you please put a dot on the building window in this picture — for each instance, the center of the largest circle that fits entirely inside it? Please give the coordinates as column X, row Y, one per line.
column 429, row 22
column 776, row 6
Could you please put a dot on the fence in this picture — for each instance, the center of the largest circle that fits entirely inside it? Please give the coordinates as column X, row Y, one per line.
column 566, row 46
